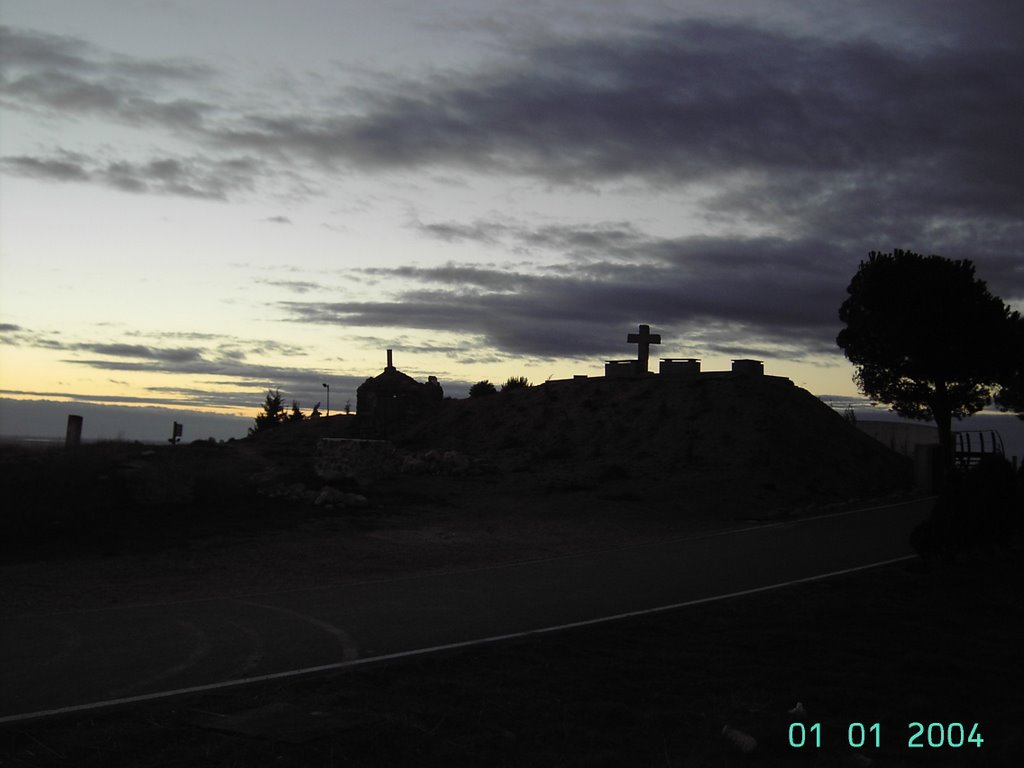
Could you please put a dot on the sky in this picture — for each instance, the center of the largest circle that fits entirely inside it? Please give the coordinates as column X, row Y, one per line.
column 203, row 200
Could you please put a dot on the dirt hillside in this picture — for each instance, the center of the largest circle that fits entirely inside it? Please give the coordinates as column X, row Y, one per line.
column 724, row 436
column 626, row 451
column 547, row 471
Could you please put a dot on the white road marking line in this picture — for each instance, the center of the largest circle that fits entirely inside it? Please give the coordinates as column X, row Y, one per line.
column 433, row 649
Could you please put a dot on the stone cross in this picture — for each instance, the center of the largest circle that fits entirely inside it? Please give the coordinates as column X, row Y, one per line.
column 644, row 339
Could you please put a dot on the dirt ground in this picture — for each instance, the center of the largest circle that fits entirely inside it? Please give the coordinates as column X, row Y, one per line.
column 450, row 526
column 112, row 526
column 890, row 646
column 122, row 523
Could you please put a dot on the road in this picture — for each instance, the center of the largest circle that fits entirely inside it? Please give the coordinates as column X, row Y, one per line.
column 49, row 663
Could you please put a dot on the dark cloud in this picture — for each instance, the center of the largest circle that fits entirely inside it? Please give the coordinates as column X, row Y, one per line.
column 179, row 355
column 70, row 76
column 233, row 371
column 847, row 141
column 735, row 297
column 819, row 137
column 186, row 398
column 296, row 286
column 23, row 48
column 687, row 102
column 66, row 168
column 19, row 336
column 778, row 294
column 453, row 232
column 454, row 274
column 199, row 177
column 835, row 145
column 278, row 220
column 222, row 357
column 225, row 364
column 609, row 239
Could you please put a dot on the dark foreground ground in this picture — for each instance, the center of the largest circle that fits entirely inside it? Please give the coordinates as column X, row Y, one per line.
column 893, row 646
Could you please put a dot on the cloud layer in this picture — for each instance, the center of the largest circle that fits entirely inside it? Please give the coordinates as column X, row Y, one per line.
column 230, row 369
column 828, row 123
column 708, row 293
column 825, row 145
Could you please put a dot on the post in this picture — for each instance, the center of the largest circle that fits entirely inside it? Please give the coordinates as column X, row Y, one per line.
column 390, row 363
column 328, row 398
column 73, row 438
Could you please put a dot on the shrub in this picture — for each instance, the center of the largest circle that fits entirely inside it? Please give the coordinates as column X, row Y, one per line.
column 515, row 382
column 482, row 389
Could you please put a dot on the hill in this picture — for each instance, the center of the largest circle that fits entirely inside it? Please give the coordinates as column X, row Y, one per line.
column 727, row 437
column 710, row 445
column 649, row 455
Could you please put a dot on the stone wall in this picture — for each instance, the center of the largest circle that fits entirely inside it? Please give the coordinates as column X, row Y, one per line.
column 361, row 461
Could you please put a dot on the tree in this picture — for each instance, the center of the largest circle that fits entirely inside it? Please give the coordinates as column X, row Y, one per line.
column 515, row 382
column 1010, row 396
column 926, row 336
column 296, row 414
column 273, row 413
column 482, row 389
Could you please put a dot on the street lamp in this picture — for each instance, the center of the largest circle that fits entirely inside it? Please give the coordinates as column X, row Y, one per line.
column 328, row 399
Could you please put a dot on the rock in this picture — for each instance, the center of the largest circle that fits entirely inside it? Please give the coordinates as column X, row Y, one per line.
column 354, row 500
column 455, row 462
column 329, row 497
column 294, row 491
column 483, row 467
column 362, row 461
column 413, row 465
column 434, row 462
column 265, row 477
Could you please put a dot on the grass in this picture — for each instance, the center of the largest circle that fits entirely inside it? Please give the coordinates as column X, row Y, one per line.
column 891, row 646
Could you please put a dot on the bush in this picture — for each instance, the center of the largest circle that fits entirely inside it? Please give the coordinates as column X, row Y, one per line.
column 515, row 382
column 482, row 389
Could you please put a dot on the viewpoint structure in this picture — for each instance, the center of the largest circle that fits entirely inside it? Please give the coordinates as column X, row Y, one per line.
column 639, row 367
column 670, row 367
